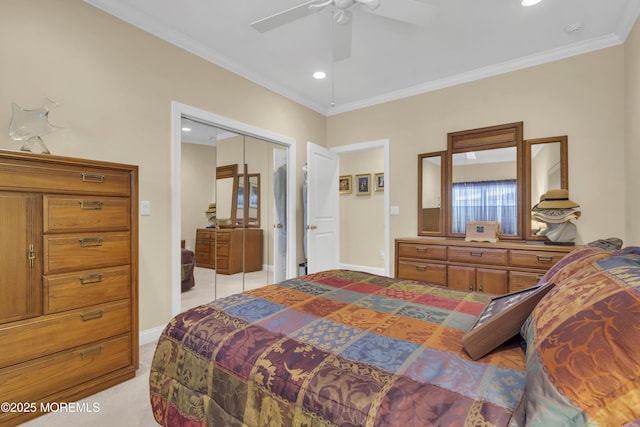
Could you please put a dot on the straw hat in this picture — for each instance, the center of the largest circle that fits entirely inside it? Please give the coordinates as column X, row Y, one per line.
column 556, row 199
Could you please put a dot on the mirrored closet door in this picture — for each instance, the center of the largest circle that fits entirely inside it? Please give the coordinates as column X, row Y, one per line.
column 234, row 205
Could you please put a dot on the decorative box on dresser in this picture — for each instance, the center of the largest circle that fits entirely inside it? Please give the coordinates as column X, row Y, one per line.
column 68, row 280
column 496, row 268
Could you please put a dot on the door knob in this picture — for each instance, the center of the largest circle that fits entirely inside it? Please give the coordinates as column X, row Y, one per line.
column 312, row 227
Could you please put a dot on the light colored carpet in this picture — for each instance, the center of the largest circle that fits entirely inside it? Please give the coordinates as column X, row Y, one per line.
column 127, row 404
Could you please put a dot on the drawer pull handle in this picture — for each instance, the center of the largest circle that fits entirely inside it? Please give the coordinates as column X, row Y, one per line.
column 470, row 286
column 90, row 242
column 91, row 278
column 476, row 253
column 421, row 268
column 91, row 315
column 92, row 177
column 90, row 205
column 418, row 249
column 545, row 259
column 92, row 352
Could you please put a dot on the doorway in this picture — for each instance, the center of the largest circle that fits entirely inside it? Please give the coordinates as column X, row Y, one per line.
column 362, row 148
column 245, row 133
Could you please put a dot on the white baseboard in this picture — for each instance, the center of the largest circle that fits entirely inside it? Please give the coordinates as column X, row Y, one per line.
column 373, row 270
column 150, row 335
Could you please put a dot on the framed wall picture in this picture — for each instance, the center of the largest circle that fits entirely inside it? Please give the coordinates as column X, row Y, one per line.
column 345, row 184
column 363, row 181
column 379, row 181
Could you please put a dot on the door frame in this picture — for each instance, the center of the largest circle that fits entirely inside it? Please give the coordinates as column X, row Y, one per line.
column 385, row 145
column 177, row 111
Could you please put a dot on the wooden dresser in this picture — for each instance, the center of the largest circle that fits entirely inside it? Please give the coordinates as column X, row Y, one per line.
column 232, row 256
column 68, row 281
column 206, row 247
column 496, row 268
column 233, row 249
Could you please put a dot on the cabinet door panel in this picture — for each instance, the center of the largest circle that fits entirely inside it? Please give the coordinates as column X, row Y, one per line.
column 491, row 281
column 20, row 291
column 461, row 277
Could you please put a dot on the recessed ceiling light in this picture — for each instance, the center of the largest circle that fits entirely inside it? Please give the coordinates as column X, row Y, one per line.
column 319, row 75
column 528, row 3
column 185, row 129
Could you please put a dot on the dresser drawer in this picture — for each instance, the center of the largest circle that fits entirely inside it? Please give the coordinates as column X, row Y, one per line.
column 40, row 176
column 534, row 259
column 416, row 250
column 499, row 257
column 223, row 236
column 26, row 340
column 78, row 213
column 84, row 288
column 36, row 379
column 85, row 250
column 205, row 234
column 519, row 280
column 423, row 272
column 222, row 250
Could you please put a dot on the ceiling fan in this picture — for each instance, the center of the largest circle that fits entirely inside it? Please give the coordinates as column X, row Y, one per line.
column 408, row 11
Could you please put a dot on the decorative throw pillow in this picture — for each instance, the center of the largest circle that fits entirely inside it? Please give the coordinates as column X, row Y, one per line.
column 574, row 262
column 583, row 348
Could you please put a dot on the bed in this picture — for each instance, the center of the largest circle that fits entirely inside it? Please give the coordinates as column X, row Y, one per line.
column 345, row 348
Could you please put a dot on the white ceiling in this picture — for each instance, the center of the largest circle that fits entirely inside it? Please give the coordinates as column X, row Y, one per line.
column 464, row 40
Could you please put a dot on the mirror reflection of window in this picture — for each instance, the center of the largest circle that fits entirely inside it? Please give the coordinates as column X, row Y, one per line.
column 484, row 188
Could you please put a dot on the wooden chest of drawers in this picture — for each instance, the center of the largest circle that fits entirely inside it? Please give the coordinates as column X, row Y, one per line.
column 69, row 312
column 487, row 267
column 205, row 252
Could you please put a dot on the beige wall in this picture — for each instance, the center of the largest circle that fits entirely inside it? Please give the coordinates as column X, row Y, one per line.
column 581, row 97
column 197, row 188
column 632, row 134
column 116, row 83
column 362, row 217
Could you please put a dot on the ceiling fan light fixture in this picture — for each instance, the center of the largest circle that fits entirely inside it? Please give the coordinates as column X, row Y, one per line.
column 319, row 75
column 527, row 3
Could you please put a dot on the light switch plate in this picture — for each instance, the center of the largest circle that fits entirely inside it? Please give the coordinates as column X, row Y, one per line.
column 145, row 207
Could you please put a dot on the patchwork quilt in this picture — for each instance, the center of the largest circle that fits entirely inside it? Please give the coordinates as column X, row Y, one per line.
column 337, row 348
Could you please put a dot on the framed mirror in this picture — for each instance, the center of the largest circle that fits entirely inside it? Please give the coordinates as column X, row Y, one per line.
column 248, row 200
column 546, row 168
column 484, row 180
column 226, row 195
column 431, row 178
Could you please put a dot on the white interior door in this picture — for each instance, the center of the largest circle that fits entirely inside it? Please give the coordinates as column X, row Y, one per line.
column 280, row 228
column 323, row 244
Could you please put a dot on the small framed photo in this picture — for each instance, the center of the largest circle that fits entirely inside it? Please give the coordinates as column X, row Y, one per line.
column 379, row 181
column 345, row 184
column 364, row 184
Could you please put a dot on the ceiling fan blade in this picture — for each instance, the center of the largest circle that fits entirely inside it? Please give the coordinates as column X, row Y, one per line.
column 284, row 17
column 409, row 11
column 341, row 40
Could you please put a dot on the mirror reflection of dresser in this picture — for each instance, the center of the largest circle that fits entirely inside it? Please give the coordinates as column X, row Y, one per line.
column 236, row 243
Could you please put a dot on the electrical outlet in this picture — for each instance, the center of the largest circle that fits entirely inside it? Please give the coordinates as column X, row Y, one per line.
column 395, row 210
